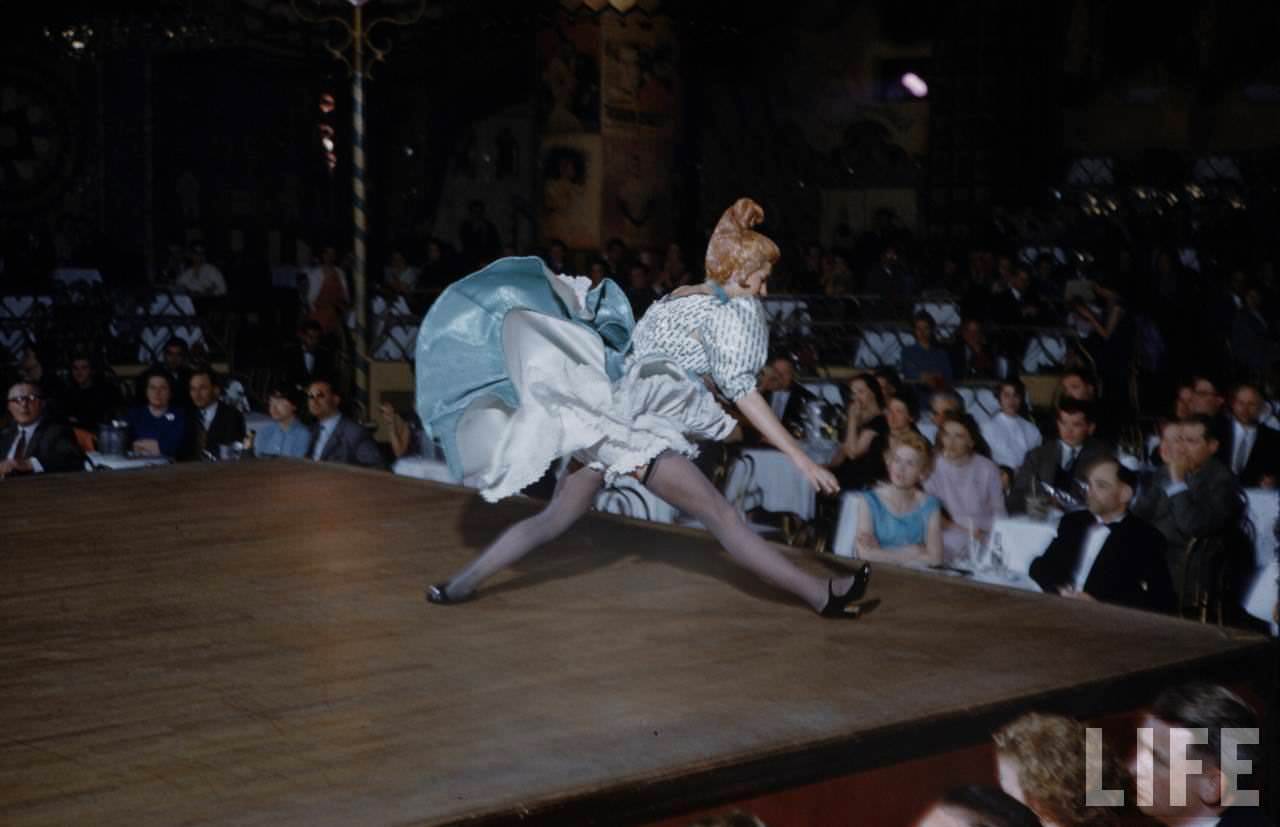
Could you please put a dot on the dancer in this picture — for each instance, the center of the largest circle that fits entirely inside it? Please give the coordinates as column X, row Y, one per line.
column 518, row 367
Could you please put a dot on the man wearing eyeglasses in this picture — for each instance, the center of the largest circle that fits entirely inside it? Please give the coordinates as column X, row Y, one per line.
column 334, row 437
column 33, row 445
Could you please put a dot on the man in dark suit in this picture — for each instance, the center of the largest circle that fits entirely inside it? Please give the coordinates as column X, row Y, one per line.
column 32, row 444
column 1106, row 553
column 1249, row 449
column 216, row 424
column 1060, row 462
column 334, row 437
column 787, row 397
column 1218, row 786
column 1193, row 494
column 308, row 360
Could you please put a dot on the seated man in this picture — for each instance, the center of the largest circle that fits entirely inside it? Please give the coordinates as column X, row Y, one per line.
column 787, row 397
column 1106, row 553
column 216, row 424
column 924, row 361
column 1193, row 494
column 971, row 358
column 1201, row 724
column 335, row 438
column 1062, row 462
column 940, row 404
column 32, row 444
column 1251, row 450
column 307, row 360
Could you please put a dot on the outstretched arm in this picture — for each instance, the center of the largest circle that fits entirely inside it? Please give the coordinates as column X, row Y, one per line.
column 759, row 414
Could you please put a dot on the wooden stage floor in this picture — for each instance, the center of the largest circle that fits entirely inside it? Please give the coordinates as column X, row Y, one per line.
column 249, row 643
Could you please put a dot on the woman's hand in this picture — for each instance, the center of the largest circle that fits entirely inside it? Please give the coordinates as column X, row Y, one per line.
column 822, row 480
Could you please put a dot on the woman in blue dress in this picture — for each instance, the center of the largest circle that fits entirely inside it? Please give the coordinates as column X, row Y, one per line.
column 518, row 367
column 897, row 521
column 158, row 427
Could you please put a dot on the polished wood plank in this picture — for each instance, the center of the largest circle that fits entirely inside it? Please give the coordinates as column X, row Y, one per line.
column 248, row 643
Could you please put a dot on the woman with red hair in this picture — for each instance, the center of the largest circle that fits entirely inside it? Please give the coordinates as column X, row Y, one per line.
column 582, row 382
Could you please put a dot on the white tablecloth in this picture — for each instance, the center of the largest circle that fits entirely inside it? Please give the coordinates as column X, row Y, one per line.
column 1021, row 540
column 765, row 478
column 122, row 463
column 1260, row 596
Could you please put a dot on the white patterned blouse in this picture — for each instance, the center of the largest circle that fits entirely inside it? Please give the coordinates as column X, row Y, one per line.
column 726, row 338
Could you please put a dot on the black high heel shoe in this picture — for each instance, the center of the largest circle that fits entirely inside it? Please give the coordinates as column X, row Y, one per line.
column 439, row 595
column 840, row 605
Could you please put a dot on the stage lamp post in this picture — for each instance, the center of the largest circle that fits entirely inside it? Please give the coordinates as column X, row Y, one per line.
column 356, row 40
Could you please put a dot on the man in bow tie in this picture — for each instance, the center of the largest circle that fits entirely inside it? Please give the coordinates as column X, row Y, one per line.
column 1106, row 553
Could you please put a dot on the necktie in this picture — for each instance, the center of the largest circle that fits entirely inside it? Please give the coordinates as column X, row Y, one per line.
column 1242, row 454
column 20, row 452
column 1072, row 455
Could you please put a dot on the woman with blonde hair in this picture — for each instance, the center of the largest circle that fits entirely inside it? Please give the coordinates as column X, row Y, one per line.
column 1041, row 762
column 552, row 368
column 897, row 521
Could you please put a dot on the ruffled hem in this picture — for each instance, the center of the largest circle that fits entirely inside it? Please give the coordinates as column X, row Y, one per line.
column 615, row 428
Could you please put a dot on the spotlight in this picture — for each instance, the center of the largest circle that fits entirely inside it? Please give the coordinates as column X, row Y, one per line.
column 915, row 84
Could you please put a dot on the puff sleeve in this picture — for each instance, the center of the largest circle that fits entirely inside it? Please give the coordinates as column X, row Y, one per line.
column 736, row 339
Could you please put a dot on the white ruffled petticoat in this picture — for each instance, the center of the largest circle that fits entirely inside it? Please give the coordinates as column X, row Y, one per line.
column 568, row 406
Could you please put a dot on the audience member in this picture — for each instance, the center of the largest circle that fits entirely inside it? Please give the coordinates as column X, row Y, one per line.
column 787, row 397
column 334, row 437
column 327, row 298
column 939, row 404
column 403, row 437
column 1207, row 400
column 201, row 278
column 1076, row 384
column 1106, row 553
column 853, row 464
column 400, row 278
column 1192, row 495
column 967, row 484
column 898, row 522
column 890, row 381
column 175, row 365
column 615, row 258
column 284, row 435
column 1062, row 462
column 1251, row 450
column 971, row 358
column 977, row 806
column 1253, row 344
column 923, row 361
column 1040, row 760
column 158, row 427
column 308, row 359
column 88, row 400
column 1009, row 433
column 1169, row 745
column 32, row 443
column 214, row 424
column 640, row 292
column 557, row 257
